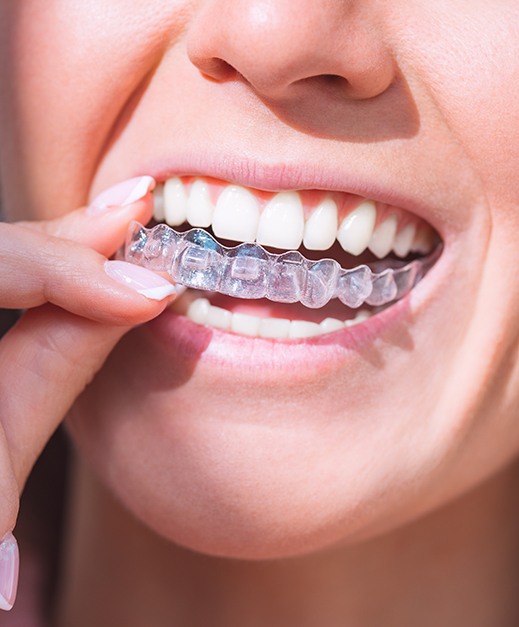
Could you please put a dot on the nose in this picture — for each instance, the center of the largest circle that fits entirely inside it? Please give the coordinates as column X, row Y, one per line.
column 282, row 48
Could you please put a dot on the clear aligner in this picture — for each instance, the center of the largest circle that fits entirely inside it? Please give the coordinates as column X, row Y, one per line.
column 195, row 259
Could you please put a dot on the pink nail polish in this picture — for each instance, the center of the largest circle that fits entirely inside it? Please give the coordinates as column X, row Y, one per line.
column 143, row 281
column 9, row 566
column 122, row 194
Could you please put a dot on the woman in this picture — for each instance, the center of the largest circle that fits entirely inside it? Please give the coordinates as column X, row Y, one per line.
column 242, row 461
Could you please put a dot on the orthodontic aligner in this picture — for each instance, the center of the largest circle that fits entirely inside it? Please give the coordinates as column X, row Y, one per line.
column 195, row 259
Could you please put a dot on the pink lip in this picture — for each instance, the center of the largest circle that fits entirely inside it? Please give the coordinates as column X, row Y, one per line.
column 280, row 177
column 270, row 360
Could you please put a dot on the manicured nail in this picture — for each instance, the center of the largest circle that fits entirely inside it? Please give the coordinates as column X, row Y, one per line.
column 143, row 281
column 9, row 565
column 122, row 194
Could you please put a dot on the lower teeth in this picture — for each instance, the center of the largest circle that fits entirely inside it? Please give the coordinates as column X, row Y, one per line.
column 201, row 311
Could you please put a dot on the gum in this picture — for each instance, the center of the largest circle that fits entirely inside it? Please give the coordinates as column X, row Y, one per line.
column 195, row 259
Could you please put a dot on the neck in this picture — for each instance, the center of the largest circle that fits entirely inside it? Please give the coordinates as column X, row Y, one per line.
column 455, row 567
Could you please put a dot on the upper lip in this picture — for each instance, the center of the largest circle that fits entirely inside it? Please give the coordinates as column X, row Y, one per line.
column 282, row 176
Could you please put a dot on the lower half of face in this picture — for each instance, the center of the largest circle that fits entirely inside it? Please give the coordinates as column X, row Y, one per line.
column 260, row 447
column 261, row 415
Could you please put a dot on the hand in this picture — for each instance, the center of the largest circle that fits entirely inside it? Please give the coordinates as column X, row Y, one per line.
column 78, row 305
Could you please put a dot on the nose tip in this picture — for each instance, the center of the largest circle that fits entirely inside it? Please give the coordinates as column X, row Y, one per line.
column 276, row 45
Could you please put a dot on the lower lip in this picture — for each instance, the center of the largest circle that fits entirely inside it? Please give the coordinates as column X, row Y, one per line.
column 190, row 344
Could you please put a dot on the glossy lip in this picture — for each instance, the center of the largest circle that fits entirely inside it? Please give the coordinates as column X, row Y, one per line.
column 285, row 177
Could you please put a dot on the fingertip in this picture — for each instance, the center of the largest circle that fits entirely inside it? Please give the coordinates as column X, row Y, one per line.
column 122, row 194
column 140, row 280
column 9, row 568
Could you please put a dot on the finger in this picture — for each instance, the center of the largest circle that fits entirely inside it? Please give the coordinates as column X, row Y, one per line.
column 46, row 361
column 36, row 268
column 9, row 488
column 103, row 225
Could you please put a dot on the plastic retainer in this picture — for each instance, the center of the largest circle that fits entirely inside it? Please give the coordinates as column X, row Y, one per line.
column 195, row 259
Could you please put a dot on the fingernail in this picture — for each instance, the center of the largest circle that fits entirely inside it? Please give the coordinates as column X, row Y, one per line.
column 143, row 281
column 9, row 566
column 122, row 194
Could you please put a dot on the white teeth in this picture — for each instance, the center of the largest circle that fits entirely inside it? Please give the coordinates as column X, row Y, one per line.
column 219, row 318
column 199, row 310
column 356, row 229
column 404, row 239
column 175, row 202
column 383, row 237
column 331, row 324
column 236, row 215
column 202, row 312
column 199, row 206
column 275, row 328
column 321, row 227
column 282, row 222
column 362, row 315
column 245, row 325
column 158, row 203
column 303, row 328
column 282, row 225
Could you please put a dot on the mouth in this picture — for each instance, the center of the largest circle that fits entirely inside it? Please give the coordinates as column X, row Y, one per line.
column 282, row 265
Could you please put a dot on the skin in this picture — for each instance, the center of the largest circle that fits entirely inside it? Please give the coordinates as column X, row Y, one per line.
column 350, row 459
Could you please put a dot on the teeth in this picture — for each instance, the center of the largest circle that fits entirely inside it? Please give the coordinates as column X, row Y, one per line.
column 362, row 315
column 423, row 242
column 321, row 227
column 175, row 202
column 275, row 328
column 244, row 324
column 236, row 215
column 404, row 239
column 302, row 328
column 219, row 318
column 383, row 237
column 199, row 206
column 202, row 312
column 282, row 222
column 356, row 229
column 331, row 324
column 199, row 310
column 282, row 225
column 158, row 204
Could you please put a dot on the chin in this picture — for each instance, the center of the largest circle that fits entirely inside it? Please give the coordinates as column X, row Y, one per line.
column 249, row 469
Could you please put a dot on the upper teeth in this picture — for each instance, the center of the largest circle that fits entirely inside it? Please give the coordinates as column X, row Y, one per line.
column 238, row 215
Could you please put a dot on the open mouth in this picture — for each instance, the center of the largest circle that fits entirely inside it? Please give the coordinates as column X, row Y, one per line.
column 281, row 265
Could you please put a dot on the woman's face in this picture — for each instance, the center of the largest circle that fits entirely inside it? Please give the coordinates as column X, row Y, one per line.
column 253, row 447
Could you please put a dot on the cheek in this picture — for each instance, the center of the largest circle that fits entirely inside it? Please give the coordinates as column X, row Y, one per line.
column 468, row 59
column 70, row 68
column 49, row 96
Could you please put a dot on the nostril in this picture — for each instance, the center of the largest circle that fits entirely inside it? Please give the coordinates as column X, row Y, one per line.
column 334, row 82
column 333, row 79
column 215, row 68
column 326, row 83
